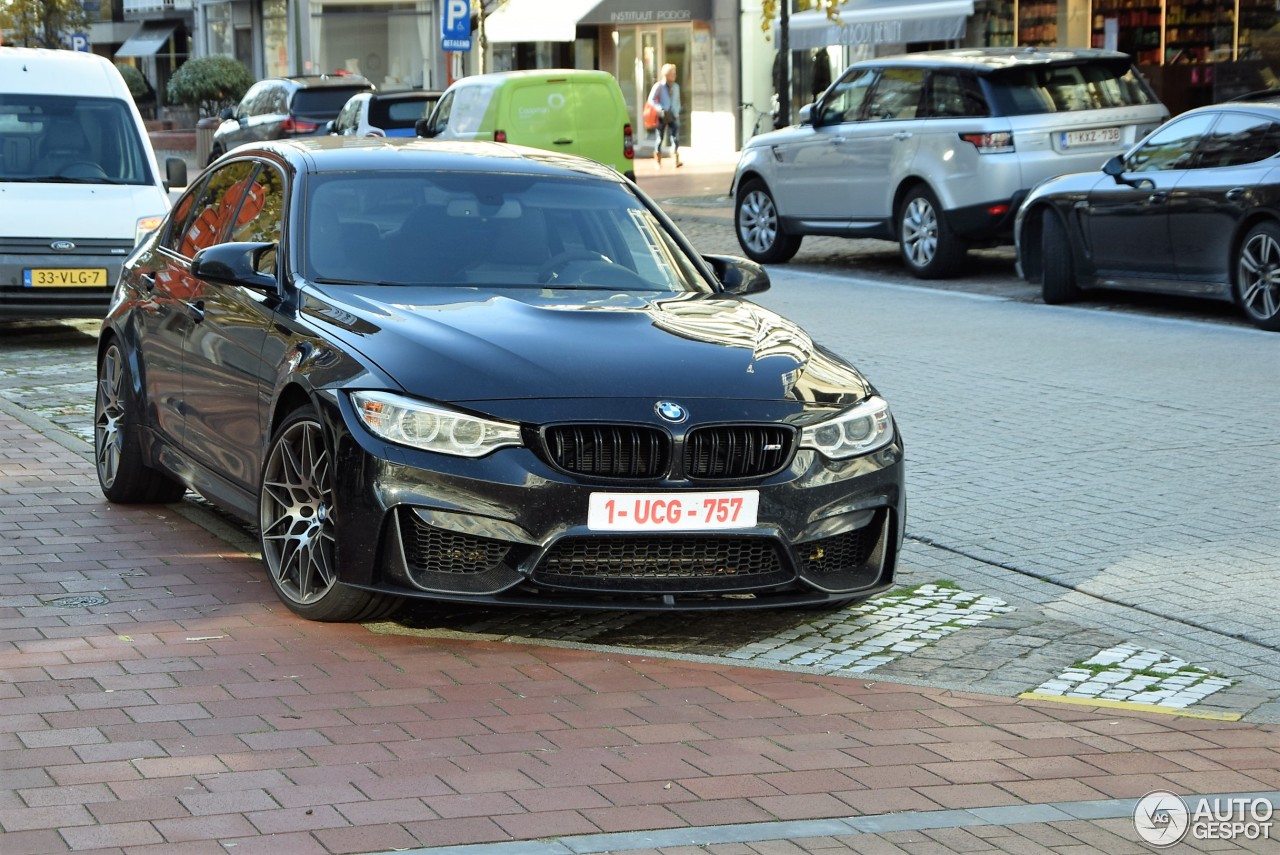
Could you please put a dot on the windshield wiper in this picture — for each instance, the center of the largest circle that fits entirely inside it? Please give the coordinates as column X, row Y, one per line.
column 59, row 179
column 324, row 280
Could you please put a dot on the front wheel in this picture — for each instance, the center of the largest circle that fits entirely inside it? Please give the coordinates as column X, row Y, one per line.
column 296, row 527
column 1258, row 276
column 756, row 221
column 123, row 474
column 1058, row 282
column 929, row 247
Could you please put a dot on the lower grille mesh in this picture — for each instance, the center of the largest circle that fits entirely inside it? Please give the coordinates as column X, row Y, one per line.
column 661, row 558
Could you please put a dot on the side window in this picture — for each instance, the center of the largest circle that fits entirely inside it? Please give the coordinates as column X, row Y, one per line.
column 896, row 94
column 950, row 95
column 248, row 104
column 218, row 201
column 1237, row 139
column 260, row 218
column 181, row 216
column 1171, row 147
column 278, row 103
column 845, row 99
column 347, row 119
column 440, row 120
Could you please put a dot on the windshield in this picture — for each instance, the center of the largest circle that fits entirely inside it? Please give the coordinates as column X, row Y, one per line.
column 489, row 230
column 56, row 138
column 1030, row 89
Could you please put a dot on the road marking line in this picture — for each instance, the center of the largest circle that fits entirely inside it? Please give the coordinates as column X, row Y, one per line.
column 1129, row 705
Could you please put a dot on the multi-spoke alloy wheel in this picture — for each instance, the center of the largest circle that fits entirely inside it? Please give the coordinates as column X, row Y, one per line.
column 759, row 231
column 108, row 417
column 928, row 246
column 1258, row 276
column 296, row 513
column 297, row 527
column 122, row 473
column 920, row 232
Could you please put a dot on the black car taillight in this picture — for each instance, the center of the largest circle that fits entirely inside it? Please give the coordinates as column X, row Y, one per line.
column 499, row 136
column 628, row 142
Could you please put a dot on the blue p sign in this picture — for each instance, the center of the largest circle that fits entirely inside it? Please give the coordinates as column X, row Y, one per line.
column 455, row 26
column 80, row 42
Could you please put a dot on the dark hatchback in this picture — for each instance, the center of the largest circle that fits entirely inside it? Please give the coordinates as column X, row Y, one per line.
column 1194, row 209
column 283, row 107
column 485, row 373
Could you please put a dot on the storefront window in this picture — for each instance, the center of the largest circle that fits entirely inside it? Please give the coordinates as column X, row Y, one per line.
column 219, row 37
column 275, row 37
column 389, row 43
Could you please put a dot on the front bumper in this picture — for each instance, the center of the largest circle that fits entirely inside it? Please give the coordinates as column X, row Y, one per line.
column 18, row 299
column 510, row 529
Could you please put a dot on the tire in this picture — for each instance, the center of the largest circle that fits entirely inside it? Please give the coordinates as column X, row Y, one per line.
column 1257, row 283
column 296, row 527
column 928, row 246
column 1058, row 281
column 123, row 474
column 755, row 221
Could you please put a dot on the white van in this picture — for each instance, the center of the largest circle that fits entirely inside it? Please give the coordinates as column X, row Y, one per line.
column 78, row 182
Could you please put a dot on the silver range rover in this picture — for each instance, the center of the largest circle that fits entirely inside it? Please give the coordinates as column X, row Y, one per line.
column 936, row 149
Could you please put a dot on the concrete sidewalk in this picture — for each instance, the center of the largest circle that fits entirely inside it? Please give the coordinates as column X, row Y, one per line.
column 155, row 697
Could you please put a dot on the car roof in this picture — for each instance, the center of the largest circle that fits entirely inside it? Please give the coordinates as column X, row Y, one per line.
column 376, row 154
column 312, row 81
column 1258, row 104
column 407, row 95
column 994, row 59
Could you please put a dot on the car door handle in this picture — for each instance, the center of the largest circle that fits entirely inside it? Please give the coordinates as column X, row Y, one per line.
column 839, row 140
column 1235, row 194
column 196, row 310
column 902, row 135
column 1158, row 198
column 562, row 142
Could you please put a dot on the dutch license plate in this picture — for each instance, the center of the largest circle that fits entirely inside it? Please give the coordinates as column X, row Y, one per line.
column 1093, row 136
column 64, row 277
column 672, row 511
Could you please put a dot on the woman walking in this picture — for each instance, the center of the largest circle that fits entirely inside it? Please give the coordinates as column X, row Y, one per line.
column 665, row 96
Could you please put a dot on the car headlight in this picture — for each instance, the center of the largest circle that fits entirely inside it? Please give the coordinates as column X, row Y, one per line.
column 858, row 430
column 407, row 422
column 145, row 226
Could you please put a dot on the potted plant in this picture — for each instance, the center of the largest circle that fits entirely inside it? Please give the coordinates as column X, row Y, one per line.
column 209, row 84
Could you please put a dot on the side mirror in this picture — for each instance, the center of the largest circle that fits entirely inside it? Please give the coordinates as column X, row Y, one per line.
column 175, row 171
column 1114, row 166
column 329, row 127
column 234, row 264
column 227, row 113
column 806, row 114
column 738, row 275
column 422, row 128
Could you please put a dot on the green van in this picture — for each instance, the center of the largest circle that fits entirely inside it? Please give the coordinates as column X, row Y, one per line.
column 566, row 110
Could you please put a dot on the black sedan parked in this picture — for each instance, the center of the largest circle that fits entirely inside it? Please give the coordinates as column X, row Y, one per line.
column 1193, row 209
column 491, row 374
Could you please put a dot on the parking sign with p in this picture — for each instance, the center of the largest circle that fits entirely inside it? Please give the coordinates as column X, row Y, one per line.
column 455, row 25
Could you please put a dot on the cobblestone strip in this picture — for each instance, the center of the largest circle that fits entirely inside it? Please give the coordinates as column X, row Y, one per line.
column 1136, row 675
column 876, row 632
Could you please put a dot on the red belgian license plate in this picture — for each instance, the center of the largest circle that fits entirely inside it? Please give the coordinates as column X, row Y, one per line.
column 672, row 511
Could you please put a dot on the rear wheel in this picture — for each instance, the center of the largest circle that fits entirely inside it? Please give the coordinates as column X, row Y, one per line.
column 1258, row 276
column 123, row 474
column 929, row 247
column 296, row 527
column 755, row 219
column 1058, row 282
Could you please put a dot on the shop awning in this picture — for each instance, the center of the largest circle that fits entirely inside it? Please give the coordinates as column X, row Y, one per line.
column 873, row 22
column 540, row 21
column 537, row 20
column 148, row 40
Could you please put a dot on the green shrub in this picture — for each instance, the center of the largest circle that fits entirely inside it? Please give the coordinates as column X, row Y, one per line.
column 138, row 86
column 209, row 83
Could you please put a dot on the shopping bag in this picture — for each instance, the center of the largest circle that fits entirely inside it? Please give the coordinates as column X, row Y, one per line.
column 650, row 116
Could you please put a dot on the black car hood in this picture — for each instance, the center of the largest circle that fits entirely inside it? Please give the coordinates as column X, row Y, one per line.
column 461, row 345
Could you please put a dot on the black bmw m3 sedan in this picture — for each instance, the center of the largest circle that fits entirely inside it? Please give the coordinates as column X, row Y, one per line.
column 483, row 373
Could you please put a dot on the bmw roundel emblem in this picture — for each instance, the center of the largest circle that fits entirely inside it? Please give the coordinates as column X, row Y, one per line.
column 62, row 245
column 671, row 411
